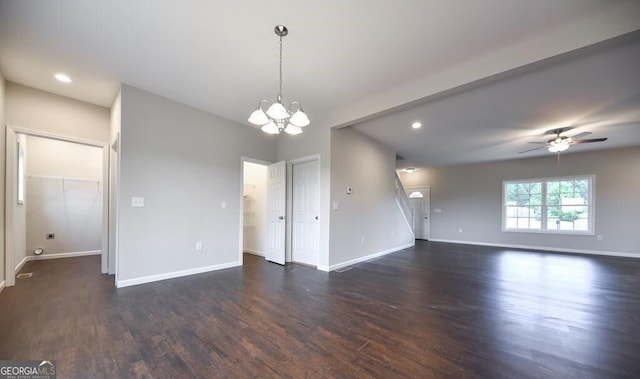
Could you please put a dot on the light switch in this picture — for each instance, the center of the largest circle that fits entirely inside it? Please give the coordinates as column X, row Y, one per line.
column 223, row 204
column 137, row 202
column 336, row 205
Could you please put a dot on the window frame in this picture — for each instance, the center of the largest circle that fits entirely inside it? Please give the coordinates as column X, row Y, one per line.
column 591, row 201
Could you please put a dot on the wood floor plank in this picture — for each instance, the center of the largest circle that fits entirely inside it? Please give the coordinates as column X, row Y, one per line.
column 434, row 310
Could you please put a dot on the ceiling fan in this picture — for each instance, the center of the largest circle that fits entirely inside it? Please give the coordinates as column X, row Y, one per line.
column 562, row 143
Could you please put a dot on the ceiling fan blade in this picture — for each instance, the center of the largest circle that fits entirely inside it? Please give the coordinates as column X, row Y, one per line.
column 536, row 148
column 539, row 142
column 589, row 140
column 581, row 135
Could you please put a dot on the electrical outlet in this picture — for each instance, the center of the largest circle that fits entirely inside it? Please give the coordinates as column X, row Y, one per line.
column 459, row 230
column 599, row 237
column 50, row 236
column 198, row 245
column 362, row 240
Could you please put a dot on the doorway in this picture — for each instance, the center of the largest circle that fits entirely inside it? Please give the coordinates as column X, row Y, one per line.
column 419, row 204
column 56, row 203
column 254, row 216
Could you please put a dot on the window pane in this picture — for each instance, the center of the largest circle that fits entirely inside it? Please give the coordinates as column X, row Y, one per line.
column 523, row 223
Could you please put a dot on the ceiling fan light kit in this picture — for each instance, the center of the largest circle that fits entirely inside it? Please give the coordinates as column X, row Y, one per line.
column 277, row 118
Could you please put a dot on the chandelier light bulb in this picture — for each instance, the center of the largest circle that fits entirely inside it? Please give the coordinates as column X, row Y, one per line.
column 258, row 117
column 277, row 111
column 271, row 128
column 292, row 129
column 299, row 119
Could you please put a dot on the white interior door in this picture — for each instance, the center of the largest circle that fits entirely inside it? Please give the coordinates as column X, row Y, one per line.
column 419, row 202
column 276, row 211
column 305, row 213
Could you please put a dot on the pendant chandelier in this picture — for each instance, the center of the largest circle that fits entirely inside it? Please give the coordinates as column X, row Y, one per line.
column 277, row 118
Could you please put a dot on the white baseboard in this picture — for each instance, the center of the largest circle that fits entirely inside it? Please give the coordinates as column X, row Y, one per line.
column 175, row 274
column 63, row 255
column 543, row 248
column 365, row 258
column 22, row 262
column 1, row 285
column 254, row 252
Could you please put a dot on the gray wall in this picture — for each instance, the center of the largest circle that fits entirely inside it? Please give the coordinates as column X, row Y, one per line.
column 185, row 163
column 470, row 198
column 371, row 211
column 2, row 175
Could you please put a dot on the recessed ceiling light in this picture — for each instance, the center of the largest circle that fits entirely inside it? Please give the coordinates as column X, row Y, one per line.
column 410, row 169
column 62, row 78
column 416, row 125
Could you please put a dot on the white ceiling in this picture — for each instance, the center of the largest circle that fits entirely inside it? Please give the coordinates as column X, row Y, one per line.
column 346, row 60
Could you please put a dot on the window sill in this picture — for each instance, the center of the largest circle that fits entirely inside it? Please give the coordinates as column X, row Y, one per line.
column 548, row 231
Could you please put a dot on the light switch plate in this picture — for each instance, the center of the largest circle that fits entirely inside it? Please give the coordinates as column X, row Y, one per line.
column 336, row 205
column 137, row 202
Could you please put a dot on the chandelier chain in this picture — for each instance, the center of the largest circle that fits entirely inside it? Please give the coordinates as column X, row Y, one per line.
column 280, row 93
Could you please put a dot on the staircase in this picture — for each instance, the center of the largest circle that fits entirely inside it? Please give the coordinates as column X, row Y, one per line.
column 403, row 203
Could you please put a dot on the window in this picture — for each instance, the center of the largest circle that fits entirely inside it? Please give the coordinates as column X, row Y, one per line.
column 553, row 205
column 20, row 174
column 416, row 195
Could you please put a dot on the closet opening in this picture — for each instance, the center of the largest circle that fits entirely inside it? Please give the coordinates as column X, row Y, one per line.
column 56, row 202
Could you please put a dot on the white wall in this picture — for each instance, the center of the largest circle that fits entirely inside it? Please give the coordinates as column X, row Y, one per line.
column 2, row 175
column 470, row 198
column 64, row 196
column 316, row 140
column 185, row 163
column 48, row 157
column 255, row 208
column 114, row 173
column 371, row 211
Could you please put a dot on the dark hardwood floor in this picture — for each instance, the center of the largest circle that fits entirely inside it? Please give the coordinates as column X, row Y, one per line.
column 436, row 310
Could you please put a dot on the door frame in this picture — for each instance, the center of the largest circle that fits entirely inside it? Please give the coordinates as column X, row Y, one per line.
column 422, row 188
column 289, row 225
column 10, row 189
column 244, row 159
